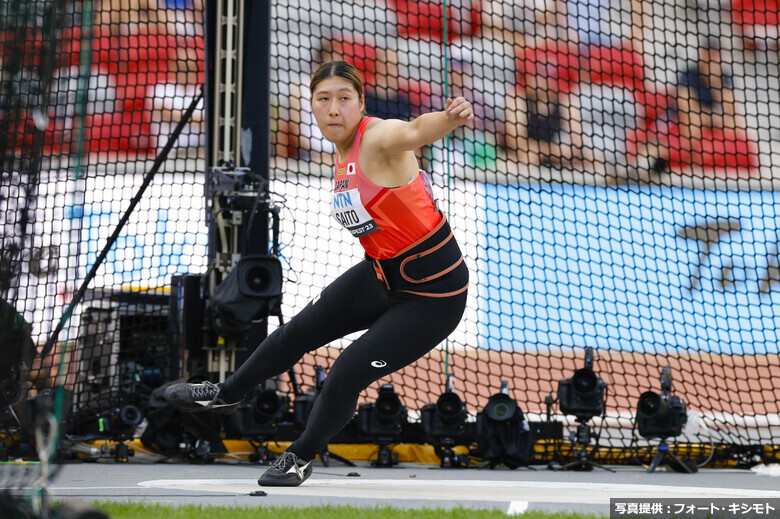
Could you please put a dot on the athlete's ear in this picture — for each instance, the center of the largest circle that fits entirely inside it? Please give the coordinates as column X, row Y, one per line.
column 363, row 104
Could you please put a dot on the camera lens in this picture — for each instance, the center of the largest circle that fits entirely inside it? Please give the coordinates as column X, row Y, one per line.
column 258, row 278
column 584, row 381
column 500, row 408
column 267, row 405
column 449, row 407
column 131, row 415
column 10, row 392
column 388, row 407
column 651, row 404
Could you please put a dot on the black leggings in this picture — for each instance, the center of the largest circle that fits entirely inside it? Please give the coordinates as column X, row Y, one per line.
column 400, row 328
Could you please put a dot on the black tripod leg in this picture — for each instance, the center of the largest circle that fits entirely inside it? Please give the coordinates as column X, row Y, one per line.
column 583, row 464
column 680, row 463
column 573, row 465
column 601, row 466
column 324, row 458
column 656, row 461
column 342, row 459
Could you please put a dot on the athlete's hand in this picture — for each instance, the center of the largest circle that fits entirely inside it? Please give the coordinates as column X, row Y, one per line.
column 459, row 111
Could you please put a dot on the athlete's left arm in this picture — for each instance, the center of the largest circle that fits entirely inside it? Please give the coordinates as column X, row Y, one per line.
column 394, row 136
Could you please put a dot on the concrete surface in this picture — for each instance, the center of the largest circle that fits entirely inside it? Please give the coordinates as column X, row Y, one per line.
column 407, row 485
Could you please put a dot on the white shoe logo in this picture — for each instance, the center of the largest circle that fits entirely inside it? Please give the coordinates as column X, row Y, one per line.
column 379, row 364
column 298, row 471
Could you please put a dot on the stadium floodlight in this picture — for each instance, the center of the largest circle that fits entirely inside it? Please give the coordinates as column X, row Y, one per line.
column 382, row 421
column 662, row 416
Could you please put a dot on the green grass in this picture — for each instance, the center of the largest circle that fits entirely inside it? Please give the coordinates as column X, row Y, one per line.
column 148, row 511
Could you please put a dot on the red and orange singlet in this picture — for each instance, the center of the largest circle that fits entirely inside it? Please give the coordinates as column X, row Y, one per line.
column 386, row 220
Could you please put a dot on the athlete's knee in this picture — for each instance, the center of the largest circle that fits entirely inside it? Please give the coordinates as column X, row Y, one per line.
column 308, row 330
column 293, row 336
column 339, row 387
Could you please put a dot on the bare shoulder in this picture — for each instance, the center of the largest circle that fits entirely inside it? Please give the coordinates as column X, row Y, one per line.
column 379, row 131
column 383, row 167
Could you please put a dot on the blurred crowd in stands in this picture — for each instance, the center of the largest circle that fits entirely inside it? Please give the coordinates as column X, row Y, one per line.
column 555, row 83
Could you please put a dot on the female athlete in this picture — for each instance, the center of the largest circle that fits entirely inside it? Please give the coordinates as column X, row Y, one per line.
column 408, row 293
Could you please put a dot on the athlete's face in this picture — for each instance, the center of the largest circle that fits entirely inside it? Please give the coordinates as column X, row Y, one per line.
column 338, row 109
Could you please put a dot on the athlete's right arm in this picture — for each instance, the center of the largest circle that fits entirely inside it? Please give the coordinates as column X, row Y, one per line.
column 399, row 136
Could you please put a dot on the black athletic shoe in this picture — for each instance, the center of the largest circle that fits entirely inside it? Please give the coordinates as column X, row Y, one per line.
column 286, row 471
column 194, row 398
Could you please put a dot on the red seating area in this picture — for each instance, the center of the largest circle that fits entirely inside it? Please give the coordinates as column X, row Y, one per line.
column 758, row 21
column 718, row 152
column 363, row 55
column 420, row 19
column 557, row 64
column 134, row 64
column 360, row 54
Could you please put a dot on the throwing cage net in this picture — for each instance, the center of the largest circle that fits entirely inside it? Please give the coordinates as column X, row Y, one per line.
column 615, row 200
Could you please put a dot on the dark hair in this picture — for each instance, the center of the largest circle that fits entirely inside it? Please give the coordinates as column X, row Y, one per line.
column 340, row 69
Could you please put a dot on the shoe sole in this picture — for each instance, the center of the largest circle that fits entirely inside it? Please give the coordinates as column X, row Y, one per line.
column 284, row 482
column 278, row 483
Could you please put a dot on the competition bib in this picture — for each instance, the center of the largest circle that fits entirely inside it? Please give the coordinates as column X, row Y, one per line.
column 347, row 207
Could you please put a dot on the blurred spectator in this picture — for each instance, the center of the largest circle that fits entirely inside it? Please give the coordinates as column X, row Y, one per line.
column 705, row 116
column 702, row 128
column 385, row 98
column 705, row 94
column 298, row 135
column 509, row 22
column 613, row 97
column 758, row 21
column 169, row 102
column 424, row 19
column 594, row 21
column 123, row 17
column 475, row 144
column 543, row 123
column 552, row 23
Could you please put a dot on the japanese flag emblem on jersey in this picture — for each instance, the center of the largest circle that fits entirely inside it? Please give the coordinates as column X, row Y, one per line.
column 347, row 207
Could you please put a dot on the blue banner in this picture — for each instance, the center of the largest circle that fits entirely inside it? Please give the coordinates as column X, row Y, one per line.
column 150, row 249
column 638, row 268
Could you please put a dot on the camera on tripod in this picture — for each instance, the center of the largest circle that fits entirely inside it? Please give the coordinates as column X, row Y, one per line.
column 661, row 415
column 258, row 418
column 117, row 423
column 382, row 422
column 582, row 394
column 246, row 283
column 444, row 423
column 385, row 416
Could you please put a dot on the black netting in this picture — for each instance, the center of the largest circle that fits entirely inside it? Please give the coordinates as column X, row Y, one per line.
column 615, row 194
column 91, row 92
